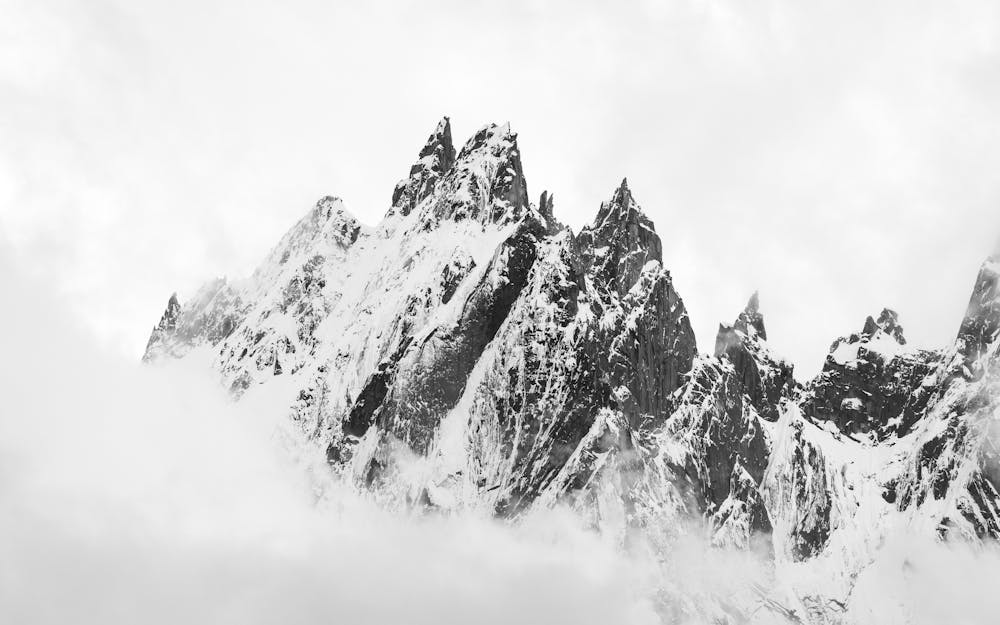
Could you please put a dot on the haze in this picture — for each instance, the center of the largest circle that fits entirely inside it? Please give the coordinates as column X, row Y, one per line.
column 838, row 160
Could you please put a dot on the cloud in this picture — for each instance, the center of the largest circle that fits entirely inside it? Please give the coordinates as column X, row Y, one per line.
column 143, row 494
column 828, row 154
column 132, row 494
column 923, row 582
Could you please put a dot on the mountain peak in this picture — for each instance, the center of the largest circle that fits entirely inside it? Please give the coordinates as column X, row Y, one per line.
column 485, row 183
column 435, row 160
column 328, row 219
column 763, row 377
column 339, row 224
column 749, row 323
column 888, row 323
column 440, row 143
column 169, row 319
column 491, row 138
column 166, row 327
column 443, row 129
column 623, row 190
column 622, row 210
column 519, row 365
column 621, row 239
column 750, row 320
column 545, row 203
column 981, row 324
column 328, row 207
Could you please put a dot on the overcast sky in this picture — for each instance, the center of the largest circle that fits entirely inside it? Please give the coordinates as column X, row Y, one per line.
column 837, row 156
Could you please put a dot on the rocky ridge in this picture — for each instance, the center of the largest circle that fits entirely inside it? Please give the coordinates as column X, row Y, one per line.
column 470, row 352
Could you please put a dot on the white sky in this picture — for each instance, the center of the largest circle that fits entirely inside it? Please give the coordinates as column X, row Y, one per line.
column 838, row 156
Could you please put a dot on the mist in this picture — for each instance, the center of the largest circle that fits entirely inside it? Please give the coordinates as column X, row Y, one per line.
column 143, row 494
column 827, row 154
column 132, row 494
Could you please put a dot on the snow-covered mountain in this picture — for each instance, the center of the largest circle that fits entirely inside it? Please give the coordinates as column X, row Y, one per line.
column 470, row 352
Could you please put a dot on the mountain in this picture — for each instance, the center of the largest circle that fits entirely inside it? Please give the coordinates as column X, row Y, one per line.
column 470, row 352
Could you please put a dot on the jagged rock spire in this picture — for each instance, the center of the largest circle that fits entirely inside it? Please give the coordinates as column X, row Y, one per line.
column 169, row 319
column 888, row 322
column 763, row 378
column 545, row 203
column 981, row 325
column 484, row 183
column 435, row 160
column 749, row 323
column 489, row 160
column 621, row 240
column 166, row 327
column 750, row 320
column 869, row 384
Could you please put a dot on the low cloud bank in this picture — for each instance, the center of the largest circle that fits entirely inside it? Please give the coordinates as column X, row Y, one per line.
column 133, row 494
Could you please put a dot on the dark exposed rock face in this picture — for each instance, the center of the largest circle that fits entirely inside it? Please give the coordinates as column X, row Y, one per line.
column 545, row 204
column 434, row 161
column 415, row 387
column 652, row 345
column 436, row 368
column 869, row 383
column 620, row 241
column 764, row 378
column 958, row 461
column 729, row 452
column 570, row 341
column 593, row 352
column 888, row 324
column 813, row 504
column 718, row 417
column 981, row 325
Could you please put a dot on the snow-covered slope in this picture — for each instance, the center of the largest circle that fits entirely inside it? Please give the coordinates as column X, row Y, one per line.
column 470, row 352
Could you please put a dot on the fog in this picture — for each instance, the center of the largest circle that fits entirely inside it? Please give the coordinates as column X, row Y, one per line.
column 133, row 494
column 837, row 156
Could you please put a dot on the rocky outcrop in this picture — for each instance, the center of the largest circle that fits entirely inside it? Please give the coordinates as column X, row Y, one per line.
column 764, row 378
column 434, row 161
column 723, row 446
column 209, row 317
column 619, row 242
column 799, row 488
column 486, row 183
column 164, row 330
column 580, row 343
column 713, row 448
column 980, row 329
column 431, row 374
column 870, row 382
